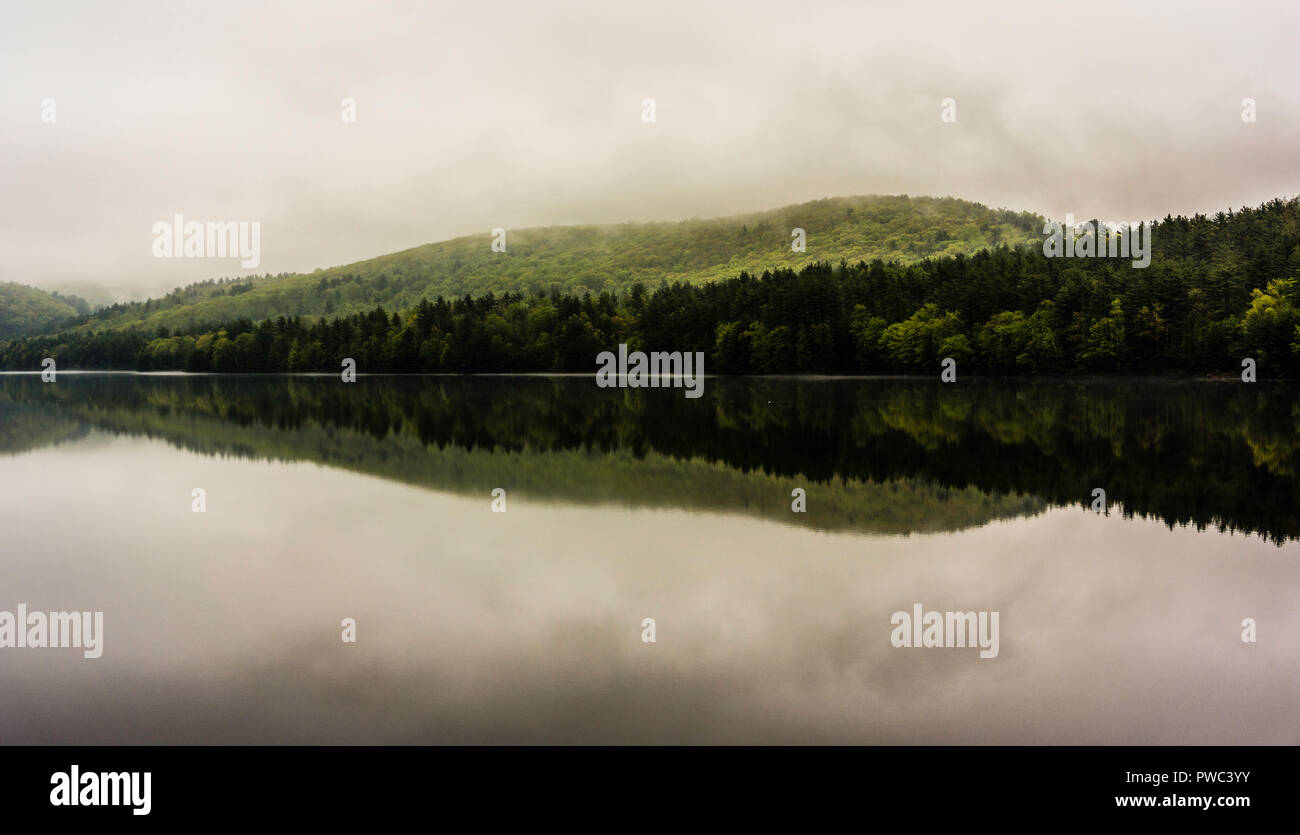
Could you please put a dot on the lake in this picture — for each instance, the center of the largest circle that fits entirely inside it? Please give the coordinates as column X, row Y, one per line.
column 374, row 501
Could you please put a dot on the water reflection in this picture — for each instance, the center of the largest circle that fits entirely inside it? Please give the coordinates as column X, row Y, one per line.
column 886, row 456
column 372, row 502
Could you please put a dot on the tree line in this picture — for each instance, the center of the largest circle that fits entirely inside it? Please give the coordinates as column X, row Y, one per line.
column 1217, row 290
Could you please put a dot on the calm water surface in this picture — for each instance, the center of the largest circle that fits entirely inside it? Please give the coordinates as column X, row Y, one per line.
column 373, row 501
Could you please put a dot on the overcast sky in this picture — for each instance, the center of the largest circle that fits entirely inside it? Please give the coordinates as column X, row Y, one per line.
column 515, row 113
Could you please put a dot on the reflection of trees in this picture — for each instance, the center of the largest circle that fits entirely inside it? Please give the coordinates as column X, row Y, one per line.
column 1221, row 455
column 25, row 427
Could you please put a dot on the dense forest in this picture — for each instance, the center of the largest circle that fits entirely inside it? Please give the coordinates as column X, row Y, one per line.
column 1217, row 290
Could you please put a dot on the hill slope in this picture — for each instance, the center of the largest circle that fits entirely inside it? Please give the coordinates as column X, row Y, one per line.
column 25, row 311
column 577, row 259
column 1216, row 291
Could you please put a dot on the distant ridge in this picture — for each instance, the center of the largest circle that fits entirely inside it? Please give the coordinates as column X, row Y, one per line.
column 25, row 311
column 578, row 259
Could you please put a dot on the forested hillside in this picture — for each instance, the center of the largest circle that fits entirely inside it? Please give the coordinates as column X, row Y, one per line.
column 1217, row 290
column 26, row 310
column 580, row 259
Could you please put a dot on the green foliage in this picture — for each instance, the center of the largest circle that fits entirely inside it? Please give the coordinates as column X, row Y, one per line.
column 1105, row 348
column 1270, row 324
column 914, row 343
column 25, row 311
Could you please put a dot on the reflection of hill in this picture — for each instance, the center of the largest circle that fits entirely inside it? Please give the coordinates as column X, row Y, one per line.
column 24, row 427
column 533, row 461
column 884, row 455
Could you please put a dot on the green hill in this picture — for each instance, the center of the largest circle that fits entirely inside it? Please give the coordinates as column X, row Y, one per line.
column 577, row 259
column 1217, row 291
column 25, row 311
